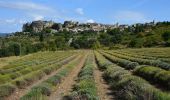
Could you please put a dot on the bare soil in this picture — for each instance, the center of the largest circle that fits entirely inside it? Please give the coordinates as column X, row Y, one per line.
column 103, row 88
column 66, row 85
column 21, row 92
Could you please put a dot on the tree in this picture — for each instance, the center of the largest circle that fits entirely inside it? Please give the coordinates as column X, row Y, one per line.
column 3, row 44
column 114, row 31
column 14, row 49
column 47, row 30
column 137, row 43
column 116, row 39
column 52, row 45
column 105, row 39
column 4, row 52
column 116, row 35
column 41, row 37
column 96, row 45
column 81, row 42
column 139, row 28
column 166, row 36
column 151, row 41
column 60, row 42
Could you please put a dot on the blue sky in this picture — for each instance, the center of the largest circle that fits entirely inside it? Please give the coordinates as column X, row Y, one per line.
column 13, row 13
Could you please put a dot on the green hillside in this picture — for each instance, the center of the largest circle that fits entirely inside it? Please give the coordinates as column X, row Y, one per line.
column 123, row 36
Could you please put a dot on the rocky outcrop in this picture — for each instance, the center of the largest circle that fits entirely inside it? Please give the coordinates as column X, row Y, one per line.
column 57, row 26
column 37, row 26
column 71, row 26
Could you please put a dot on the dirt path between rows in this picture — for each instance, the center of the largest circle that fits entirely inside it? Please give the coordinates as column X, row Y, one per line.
column 66, row 86
column 103, row 88
column 21, row 92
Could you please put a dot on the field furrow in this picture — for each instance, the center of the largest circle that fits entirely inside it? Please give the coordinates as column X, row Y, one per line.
column 121, row 74
column 156, row 63
column 85, row 87
column 66, row 85
column 155, row 75
column 24, row 81
column 47, row 87
column 127, row 86
column 104, row 90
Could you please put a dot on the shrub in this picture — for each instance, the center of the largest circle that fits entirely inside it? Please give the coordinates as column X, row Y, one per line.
column 47, row 70
column 155, row 75
column 85, row 87
column 102, row 63
column 39, row 74
column 6, row 90
column 38, row 92
column 34, row 95
column 129, row 87
column 54, row 80
column 25, row 71
column 14, row 75
column 30, row 78
column 4, row 79
column 44, row 89
column 146, row 72
column 122, row 62
column 20, row 83
column 163, row 77
column 139, row 60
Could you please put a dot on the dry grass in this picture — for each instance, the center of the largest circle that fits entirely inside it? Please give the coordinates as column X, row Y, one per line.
column 7, row 60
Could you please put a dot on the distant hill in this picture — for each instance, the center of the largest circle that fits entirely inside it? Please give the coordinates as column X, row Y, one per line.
column 4, row 34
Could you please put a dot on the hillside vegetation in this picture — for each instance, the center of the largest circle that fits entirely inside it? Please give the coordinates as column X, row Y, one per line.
column 98, row 36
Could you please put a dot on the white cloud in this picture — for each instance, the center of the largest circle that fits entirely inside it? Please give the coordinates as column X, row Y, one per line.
column 130, row 17
column 90, row 21
column 29, row 6
column 38, row 17
column 21, row 21
column 10, row 20
column 79, row 11
column 32, row 10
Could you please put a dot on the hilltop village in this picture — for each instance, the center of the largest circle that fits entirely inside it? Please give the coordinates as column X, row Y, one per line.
column 73, row 26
